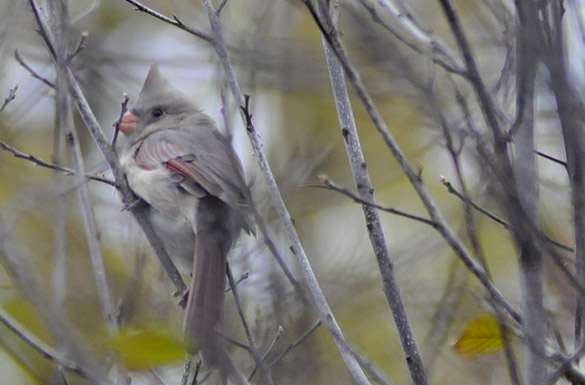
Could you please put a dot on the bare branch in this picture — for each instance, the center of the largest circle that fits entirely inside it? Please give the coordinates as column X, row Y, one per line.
column 80, row 46
column 495, row 218
column 488, row 105
column 221, row 5
column 330, row 185
column 265, row 375
column 261, row 223
column 552, row 159
column 297, row 248
column 123, row 109
column 174, row 21
column 291, row 347
column 40, row 162
column 415, row 179
column 10, row 97
column 365, row 189
column 424, row 37
column 33, row 73
column 277, row 336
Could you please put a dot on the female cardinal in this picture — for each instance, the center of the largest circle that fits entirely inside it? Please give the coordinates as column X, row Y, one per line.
column 187, row 171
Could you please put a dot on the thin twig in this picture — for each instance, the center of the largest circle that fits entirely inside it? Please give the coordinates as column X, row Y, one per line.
column 265, row 375
column 328, row 184
column 80, row 46
column 242, row 278
column 91, row 230
column 157, row 377
column 277, row 336
column 31, row 71
column 40, row 162
column 63, row 375
column 174, row 21
column 495, row 218
column 480, row 209
column 123, row 109
column 425, row 38
column 10, row 97
column 261, row 223
column 221, row 6
column 473, row 75
column 237, row 343
column 44, row 29
column 552, row 159
column 197, row 369
column 375, row 372
column 291, row 347
column 471, row 228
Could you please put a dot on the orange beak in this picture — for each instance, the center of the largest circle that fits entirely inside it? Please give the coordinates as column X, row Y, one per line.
column 128, row 123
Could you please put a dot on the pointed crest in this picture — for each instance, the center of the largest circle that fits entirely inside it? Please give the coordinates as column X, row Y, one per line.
column 155, row 81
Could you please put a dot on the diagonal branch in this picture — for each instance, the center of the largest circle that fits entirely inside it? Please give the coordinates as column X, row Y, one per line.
column 365, row 189
column 414, row 177
column 10, row 97
column 174, row 21
column 325, row 312
column 330, row 185
column 40, row 162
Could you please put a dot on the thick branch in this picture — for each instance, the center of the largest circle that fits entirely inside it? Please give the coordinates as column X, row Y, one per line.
column 373, row 224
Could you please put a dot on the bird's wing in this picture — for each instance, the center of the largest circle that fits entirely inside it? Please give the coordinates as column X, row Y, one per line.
column 199, row 157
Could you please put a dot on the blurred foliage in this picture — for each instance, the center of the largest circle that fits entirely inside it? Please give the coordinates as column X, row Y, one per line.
column 482, row 335
column 140, row 349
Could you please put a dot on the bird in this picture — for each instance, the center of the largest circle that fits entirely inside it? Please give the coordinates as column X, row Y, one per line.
column 177, row 160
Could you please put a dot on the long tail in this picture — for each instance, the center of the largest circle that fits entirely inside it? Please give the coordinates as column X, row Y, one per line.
column 204, row 314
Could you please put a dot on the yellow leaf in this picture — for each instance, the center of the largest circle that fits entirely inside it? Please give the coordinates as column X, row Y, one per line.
column 482, row 336
column 140, row 349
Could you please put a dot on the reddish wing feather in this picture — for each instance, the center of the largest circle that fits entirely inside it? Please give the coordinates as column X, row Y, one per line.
column 158, row 153
column 192, row 171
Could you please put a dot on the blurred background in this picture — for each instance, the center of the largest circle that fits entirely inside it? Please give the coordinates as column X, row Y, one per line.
column 278, row 54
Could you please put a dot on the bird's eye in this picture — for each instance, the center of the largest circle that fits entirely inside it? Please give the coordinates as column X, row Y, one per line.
column 157, row 112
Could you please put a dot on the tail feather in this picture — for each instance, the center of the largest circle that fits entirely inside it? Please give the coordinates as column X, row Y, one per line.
column 204, row 315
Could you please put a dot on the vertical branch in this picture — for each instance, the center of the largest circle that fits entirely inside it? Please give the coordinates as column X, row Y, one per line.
column 472, row 73
column 322, row 306
column 571, row 110
column 366, row 191
column 91, row 231
column 62, row 116
column 531, row 258
column 56, row 21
